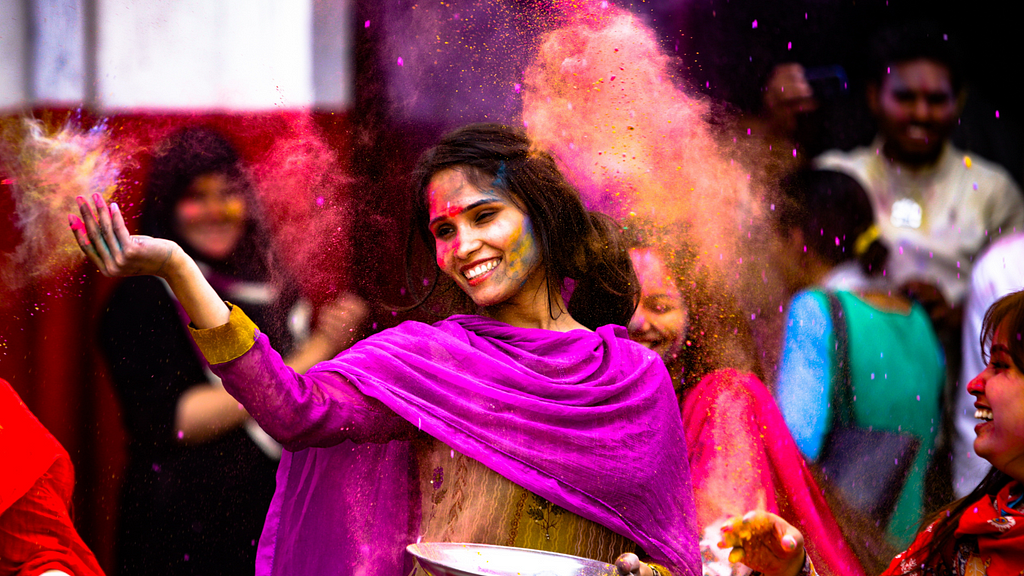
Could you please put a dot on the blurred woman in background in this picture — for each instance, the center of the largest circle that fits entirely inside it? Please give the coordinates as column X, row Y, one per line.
column 200, row 472
column 829, row 245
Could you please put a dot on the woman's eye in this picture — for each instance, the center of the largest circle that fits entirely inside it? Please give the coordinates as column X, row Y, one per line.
column 442, row 232
column 485, row 215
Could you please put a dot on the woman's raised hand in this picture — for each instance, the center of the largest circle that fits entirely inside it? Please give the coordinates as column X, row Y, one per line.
column 765, row 543
column 103, row 236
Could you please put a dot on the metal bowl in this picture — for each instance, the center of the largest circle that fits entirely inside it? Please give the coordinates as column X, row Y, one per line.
column 452, row 559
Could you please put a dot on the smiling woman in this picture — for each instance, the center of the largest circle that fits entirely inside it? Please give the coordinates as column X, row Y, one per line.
column 982, row 533
column 483, row 242
column 661, row 318
column 532, row 423
column 492, row 172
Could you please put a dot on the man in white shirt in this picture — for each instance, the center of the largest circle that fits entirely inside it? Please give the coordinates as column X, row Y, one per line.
column 936, row 206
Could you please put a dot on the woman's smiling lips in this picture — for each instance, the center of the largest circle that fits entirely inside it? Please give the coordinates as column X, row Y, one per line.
column 983, row 413
column 478, row 271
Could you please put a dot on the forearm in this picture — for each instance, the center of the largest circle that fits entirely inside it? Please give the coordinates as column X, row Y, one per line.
column 204, row 412
column 204, row 307
column 300, row 411
column 315, row 349
column 338, row 328
column 805, row 374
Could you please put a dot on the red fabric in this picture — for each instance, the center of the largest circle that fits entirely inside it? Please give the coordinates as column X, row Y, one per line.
column 907, row 562
column 36, row 532
column 28, row 449
column 742, row 457
column 999, row 530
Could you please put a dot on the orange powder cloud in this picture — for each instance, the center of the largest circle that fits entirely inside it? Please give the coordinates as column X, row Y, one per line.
column 601, row 96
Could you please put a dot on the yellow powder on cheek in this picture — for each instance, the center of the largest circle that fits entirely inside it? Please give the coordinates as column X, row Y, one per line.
column 522, row 253
column 234, row 208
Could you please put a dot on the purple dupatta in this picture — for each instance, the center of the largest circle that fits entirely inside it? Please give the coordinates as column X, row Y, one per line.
column 587, row 420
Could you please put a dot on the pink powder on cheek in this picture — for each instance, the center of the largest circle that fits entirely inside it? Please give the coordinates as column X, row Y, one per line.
column 443, row 249
column 189, row 210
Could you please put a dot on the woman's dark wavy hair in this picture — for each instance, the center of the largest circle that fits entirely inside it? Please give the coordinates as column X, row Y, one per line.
column 585, row 247
column 827, row 205
column 1007, row 314
column 187, row 154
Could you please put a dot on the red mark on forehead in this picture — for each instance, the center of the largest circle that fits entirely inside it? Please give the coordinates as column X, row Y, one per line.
column 450, row 211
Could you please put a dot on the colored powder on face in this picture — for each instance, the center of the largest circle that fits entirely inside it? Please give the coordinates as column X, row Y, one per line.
column 48, row 170
column 523, row 254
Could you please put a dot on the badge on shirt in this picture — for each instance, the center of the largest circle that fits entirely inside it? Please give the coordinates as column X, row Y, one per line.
column 906, row 213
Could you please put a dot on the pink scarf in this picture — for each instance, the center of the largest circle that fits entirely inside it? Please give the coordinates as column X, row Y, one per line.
column 742, row 457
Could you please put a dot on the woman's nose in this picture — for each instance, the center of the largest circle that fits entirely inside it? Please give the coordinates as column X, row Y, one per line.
column 977, row 385
column 468, row 243
column 638, row 322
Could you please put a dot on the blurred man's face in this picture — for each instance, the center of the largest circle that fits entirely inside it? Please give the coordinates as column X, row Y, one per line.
column 916, row 109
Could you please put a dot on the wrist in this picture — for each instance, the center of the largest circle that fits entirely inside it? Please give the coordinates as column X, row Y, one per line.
column 176, row 264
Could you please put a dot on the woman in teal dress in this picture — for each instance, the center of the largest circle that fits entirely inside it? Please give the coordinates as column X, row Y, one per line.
column 897, row 369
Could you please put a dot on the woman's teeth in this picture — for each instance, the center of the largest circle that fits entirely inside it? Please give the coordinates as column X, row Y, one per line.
column 480, row 269
column 983, row 414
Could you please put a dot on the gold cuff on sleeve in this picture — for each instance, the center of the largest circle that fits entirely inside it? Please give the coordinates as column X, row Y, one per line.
column 228, row 341
column 659, row 569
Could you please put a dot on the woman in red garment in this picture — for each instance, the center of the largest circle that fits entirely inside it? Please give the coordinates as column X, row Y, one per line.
column 741, row 455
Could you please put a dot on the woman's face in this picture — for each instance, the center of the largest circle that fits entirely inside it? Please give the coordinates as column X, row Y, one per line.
column 999, row 404
column 484, row 242
column 660, row 321
column 210, row 216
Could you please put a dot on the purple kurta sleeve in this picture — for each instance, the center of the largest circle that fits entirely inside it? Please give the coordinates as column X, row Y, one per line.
column 319, row 410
